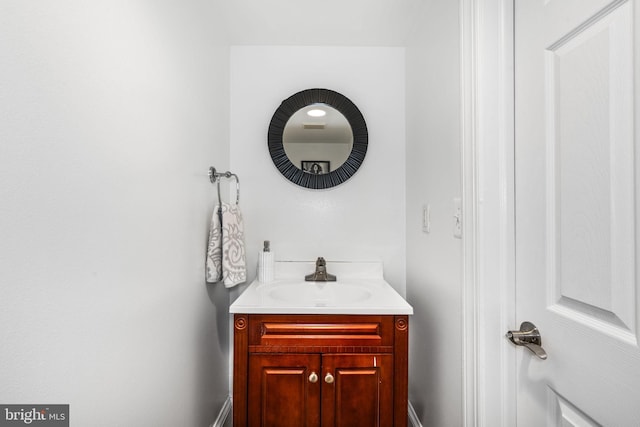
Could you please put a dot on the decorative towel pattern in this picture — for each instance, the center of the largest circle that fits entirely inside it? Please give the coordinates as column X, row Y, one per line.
column 226, row 260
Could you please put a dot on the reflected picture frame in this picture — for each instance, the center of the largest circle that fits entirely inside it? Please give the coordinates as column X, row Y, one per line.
column 315, row 167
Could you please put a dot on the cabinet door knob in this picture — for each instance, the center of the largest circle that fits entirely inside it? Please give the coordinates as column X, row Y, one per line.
column 313, row 378
column 328, row 378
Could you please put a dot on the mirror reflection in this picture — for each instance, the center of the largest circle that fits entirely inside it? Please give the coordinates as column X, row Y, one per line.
column 317, row 139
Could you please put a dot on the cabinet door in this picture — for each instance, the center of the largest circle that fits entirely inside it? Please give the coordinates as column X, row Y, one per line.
column 357, row 390
column 283, row 391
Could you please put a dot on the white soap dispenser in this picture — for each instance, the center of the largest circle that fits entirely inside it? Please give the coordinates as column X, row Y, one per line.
column 266, row 264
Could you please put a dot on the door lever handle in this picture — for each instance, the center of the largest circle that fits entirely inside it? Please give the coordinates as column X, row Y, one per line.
column 528, row 336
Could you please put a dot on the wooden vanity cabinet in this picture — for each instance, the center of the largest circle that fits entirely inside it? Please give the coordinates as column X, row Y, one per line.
column 320, row 370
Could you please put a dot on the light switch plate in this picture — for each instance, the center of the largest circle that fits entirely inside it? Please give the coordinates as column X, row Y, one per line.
column 426, row 218
column 457, row 218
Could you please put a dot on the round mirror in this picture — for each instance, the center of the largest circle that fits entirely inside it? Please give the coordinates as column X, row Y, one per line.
column 317, row 138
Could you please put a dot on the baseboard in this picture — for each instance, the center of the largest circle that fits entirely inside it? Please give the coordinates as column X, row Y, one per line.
column 227, row 406
column 413, row 417
column 225, row 410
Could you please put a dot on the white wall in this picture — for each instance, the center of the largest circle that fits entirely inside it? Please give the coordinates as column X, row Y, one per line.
column 362, row 219
column 110, row 114
column 434, row 260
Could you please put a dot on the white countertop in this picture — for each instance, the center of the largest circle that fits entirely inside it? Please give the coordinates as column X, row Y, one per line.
column 360, row 289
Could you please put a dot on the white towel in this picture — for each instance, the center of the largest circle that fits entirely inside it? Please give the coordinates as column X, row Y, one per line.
column 226, row 260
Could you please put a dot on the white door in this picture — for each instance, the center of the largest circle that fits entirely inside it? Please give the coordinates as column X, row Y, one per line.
column 577, row 158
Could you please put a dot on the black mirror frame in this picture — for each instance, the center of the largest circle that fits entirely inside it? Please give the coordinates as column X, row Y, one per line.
column 300, row 100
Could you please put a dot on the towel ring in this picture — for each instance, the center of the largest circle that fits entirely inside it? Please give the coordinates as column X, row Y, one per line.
column 216, row 177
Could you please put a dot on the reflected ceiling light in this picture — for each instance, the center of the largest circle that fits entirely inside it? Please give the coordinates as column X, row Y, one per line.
column 316, row 112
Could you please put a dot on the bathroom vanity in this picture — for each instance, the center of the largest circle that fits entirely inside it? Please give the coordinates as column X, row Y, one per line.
column 321, row 353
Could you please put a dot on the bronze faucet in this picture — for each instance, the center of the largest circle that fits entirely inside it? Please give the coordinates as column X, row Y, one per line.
column 320, row 275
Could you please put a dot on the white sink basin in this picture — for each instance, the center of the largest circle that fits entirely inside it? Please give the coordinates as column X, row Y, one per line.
column 318, row 294
column 360, row 289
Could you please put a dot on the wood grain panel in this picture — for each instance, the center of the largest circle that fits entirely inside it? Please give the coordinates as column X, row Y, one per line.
column 280, row 393
column 306, row 330
column 362, row 392
column 275, row 354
